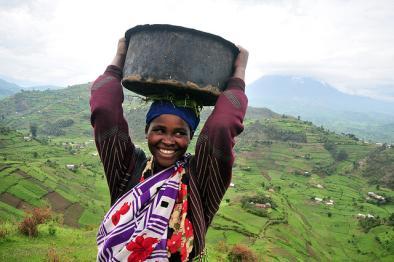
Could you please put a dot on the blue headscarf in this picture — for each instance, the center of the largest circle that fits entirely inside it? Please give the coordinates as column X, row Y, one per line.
column 160, row 107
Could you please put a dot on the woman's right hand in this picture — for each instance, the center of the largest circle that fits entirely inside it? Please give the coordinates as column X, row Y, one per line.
column 120, row 56
column 240, row 63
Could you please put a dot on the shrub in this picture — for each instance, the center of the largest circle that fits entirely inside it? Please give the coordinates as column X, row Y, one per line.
column 368, row 223
column 51, row 229
column 33, row 129
column 28, row 227
column 3, row 232
column 390, row 220
column 222, row 246
column 241, row 253
column 52, row 255
column 41, row 214
column 342, row 155
column 64, row 123
column 29, row 224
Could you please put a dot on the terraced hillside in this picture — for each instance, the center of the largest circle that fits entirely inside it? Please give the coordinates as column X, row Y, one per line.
column 315, row 214
column 298, row 191
column 35, row 174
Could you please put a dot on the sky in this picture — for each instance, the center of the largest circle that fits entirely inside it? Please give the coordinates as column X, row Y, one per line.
column 348, row 44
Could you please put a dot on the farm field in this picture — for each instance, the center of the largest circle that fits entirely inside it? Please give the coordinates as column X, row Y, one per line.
column 297, row 190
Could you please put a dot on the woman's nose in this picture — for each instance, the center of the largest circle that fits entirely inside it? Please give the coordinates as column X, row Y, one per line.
column 168, row 139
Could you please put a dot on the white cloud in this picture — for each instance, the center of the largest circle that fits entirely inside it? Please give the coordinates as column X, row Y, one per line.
column 348, row 44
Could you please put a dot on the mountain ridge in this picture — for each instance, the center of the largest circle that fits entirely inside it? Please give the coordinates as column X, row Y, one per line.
column 8, row 88
column 321, row 103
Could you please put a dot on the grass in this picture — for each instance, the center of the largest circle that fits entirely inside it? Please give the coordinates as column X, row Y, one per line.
column 67, row 244
column 297, row 229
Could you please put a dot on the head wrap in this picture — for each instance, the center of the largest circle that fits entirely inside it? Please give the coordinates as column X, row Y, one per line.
column 160, row 107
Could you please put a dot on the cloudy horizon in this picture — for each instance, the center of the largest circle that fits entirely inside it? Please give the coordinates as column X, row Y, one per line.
column 348, row 44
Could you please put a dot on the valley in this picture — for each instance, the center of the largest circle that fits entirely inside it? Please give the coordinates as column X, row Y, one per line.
column 298, row 192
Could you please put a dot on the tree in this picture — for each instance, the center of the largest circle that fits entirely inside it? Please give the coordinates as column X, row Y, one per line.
column 330, row 146
column 33, row 130
column 342, row 155
column 390, row 220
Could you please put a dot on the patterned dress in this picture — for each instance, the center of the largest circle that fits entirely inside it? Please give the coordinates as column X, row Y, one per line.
column 208, row 174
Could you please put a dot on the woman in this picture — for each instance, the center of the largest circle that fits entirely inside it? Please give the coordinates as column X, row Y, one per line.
column 162, row 206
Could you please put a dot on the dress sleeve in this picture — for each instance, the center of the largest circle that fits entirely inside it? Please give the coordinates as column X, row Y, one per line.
column 214, row 156
column 111, row 134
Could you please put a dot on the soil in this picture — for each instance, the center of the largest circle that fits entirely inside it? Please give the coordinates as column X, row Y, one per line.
column 72, row 211
column 15, row 201
column 58, row 202
column 72, row 215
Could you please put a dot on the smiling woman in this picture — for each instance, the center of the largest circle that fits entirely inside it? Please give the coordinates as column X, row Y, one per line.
column 161, row 207
column 168, row 138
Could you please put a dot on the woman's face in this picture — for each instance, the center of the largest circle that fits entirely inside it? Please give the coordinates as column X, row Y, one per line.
column 168, row 138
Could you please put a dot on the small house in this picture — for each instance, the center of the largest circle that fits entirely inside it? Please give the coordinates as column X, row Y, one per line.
column 370, row 216
column 318, row 199
column 329, row 202
column 71, row 167
column 264, row 206
column 376, row 196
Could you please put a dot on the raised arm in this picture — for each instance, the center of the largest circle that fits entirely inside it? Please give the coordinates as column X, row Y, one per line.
column 110, row 128
column 214, row 156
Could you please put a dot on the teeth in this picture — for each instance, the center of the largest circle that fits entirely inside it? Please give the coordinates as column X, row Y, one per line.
column 164, row 151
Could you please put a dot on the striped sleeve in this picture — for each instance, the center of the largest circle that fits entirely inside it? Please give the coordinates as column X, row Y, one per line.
column 113, row 142
column 214, row 156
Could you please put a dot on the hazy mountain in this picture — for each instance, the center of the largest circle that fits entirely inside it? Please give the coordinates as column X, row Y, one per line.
column 8, row 88
column 324, row 105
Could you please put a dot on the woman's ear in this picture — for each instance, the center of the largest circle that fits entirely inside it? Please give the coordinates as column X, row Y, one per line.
column 146, row 131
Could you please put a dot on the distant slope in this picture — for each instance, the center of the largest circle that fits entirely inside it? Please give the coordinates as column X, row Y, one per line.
column 324, row 105
column 379, row 168
column 46, row 109
column 8, row 89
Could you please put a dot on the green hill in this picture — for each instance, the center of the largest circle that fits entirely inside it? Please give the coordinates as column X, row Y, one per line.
column 315, row 181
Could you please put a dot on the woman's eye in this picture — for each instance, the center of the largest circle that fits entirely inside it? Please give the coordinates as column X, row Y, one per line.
column 180, row 133
column 158, row 130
